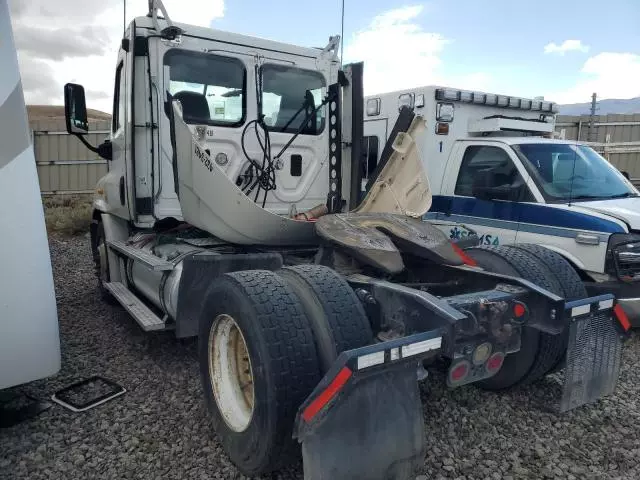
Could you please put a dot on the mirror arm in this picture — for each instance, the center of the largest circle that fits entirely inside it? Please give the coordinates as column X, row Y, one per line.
column 103, row 150
column 86, row 144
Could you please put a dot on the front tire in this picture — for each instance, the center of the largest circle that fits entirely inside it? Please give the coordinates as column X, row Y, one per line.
column 100, row 253
column 263, row 317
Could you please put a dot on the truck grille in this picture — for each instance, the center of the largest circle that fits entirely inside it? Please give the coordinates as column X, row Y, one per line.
column 627, row 263
column 593, row 359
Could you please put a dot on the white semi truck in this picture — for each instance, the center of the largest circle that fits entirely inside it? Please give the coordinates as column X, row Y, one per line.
column 230, row 212
column 29, row 339
column 495, row 168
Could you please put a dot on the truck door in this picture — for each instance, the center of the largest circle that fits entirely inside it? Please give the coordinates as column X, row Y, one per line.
column 484, row 191
column 116, row 186
column 373, row 141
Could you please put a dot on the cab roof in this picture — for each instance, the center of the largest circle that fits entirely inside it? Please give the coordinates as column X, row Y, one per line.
column 230, row 38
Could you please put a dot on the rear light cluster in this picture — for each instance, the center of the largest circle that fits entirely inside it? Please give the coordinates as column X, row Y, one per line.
column 482, row 363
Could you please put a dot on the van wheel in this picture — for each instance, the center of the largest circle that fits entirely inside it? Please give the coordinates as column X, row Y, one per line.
column 337, row 317
column 539, row 352
column 258, row 364
column 100, row 254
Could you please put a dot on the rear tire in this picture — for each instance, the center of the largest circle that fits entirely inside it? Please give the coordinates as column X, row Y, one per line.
column 337, row 317
column 282, row 362
column 572, row 286
column 539, row 352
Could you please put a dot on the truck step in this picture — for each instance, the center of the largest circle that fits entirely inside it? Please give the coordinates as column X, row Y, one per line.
column 146, row 318
column 148, row 259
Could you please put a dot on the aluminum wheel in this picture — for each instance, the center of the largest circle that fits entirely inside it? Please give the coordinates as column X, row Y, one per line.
column 231, row 373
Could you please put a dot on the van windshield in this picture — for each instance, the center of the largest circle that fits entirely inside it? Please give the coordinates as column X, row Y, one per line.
column 568, row 172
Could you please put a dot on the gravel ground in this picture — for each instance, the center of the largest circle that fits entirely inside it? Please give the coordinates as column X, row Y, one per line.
column 159, row 428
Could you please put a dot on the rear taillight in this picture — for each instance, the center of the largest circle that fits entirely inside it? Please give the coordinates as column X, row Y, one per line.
column 459, row 372
column 495, row 362
column 519, row 310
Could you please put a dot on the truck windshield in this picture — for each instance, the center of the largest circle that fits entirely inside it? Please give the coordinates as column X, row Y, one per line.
column 287, row 94
column 567, row 172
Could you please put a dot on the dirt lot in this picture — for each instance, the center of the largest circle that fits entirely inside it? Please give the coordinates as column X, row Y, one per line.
column 159, row 428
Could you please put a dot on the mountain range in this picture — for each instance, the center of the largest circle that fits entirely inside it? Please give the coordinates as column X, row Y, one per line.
column 604, row 107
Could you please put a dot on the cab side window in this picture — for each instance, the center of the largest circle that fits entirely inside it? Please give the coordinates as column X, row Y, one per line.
column 489, row 167
column 118, row 100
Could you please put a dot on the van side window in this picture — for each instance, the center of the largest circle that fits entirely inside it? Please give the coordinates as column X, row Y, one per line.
column 491, row 164
column 118, row 100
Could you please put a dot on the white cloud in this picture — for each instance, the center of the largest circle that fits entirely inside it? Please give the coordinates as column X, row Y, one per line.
column 399, row 54
column 566, row 46
column 396, row 52
column 609, row 74
column 58, row 42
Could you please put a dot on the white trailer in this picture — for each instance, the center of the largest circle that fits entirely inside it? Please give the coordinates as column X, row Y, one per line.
column 29, row 339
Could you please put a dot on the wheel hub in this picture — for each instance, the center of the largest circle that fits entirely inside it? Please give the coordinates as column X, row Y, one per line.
column 231, row 373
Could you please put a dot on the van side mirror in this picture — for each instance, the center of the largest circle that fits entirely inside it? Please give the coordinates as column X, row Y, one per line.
column 75, row 109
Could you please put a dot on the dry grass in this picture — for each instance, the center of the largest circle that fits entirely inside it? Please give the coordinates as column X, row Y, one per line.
column 67, row 214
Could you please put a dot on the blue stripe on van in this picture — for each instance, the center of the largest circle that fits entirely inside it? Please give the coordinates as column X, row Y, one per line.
column 528, row 213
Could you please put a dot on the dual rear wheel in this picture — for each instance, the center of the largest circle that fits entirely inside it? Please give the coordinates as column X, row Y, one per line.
column 265, row 341
column 540, row 353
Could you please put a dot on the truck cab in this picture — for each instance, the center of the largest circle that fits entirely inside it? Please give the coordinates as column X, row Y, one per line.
column 496, row 171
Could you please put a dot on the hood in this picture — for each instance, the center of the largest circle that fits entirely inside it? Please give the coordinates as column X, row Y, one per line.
column 625, row 209
column 402, row 186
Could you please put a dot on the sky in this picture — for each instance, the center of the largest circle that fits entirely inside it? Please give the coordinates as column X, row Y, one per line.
column 562, row 50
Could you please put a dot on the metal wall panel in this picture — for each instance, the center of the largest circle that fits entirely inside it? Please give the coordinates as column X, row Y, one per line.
column 615, row 137
column 64, row 164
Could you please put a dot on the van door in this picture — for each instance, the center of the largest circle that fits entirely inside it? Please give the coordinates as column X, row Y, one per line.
column 485, row 190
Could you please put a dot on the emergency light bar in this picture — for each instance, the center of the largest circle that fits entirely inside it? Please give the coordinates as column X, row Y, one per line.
column 504, row 101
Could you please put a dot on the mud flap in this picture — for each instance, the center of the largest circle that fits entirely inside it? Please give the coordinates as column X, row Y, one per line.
column 364, row 419
column 593, row 353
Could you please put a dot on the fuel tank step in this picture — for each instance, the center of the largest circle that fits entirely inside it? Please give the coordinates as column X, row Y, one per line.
column 148, row 259
column 147, row 320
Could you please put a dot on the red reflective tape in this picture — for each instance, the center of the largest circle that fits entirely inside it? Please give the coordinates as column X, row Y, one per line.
column 466, row 259
column 622, row 317
column 327, row 394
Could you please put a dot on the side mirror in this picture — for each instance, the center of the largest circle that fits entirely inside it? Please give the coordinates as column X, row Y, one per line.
column 75, row 109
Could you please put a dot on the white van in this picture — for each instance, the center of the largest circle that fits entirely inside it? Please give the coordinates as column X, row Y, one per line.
column 495, row 168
